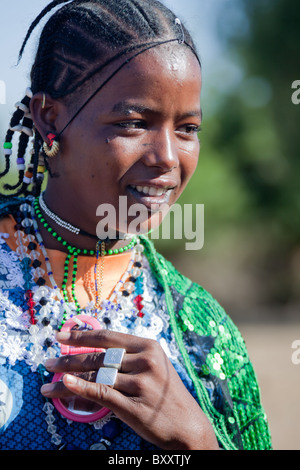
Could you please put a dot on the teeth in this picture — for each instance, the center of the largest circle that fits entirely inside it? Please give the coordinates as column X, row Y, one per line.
column 151, row 191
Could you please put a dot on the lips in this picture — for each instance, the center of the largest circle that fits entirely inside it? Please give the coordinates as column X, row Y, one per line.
column 151, row 196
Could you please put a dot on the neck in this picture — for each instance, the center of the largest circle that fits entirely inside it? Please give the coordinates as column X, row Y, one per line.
column 78, row 241
column 74, row 235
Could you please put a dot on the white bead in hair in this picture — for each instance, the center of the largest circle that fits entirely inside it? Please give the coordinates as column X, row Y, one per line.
column 27, row 180
column 182, row 39
column 29, row 93
column 20, row 128
column 22, row 106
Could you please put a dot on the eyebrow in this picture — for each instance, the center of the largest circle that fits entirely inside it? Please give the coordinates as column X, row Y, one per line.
column 196, row 113
column 126, row 108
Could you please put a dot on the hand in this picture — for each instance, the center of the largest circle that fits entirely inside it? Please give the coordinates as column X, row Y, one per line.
column 148, row 394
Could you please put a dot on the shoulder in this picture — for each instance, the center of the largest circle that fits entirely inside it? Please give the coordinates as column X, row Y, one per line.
column 195, row 310
column 197, row 304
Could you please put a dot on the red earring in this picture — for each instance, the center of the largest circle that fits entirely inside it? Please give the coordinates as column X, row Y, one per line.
column 51, row 149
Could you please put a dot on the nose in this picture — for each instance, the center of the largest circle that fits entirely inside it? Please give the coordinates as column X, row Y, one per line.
column 162, row 151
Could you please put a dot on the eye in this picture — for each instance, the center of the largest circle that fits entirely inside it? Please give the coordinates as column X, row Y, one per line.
column 189, row 129
column 133, row 124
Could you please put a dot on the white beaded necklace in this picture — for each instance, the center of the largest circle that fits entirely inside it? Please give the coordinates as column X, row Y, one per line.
column 56, row 218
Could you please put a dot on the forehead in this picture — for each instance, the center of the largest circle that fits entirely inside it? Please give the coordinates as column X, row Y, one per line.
column 161, row 73
column 172, row 61
column 171, row 57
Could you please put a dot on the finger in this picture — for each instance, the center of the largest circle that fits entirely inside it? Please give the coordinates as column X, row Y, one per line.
column 55, row 390
column 75, row 363
column 125, row 383
column 102, row 394
column 68, row 398
column 88, row 362
column 101, row 339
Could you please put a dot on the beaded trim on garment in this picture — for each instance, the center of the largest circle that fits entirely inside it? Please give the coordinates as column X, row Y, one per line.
column 22, row 341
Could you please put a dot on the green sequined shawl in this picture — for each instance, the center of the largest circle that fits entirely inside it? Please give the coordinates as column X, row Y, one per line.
column 196, row 316
column 197, row 319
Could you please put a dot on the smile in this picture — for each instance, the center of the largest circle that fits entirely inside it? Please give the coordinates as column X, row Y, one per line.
column 150, row 190
column 152, row 197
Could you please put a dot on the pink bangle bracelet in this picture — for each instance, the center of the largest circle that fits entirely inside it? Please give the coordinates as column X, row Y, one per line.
column 79, row 416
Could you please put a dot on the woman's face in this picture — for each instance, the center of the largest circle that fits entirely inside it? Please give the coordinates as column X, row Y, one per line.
column 136, row 138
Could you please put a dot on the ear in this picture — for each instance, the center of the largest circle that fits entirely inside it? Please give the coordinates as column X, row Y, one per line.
column 45, row 112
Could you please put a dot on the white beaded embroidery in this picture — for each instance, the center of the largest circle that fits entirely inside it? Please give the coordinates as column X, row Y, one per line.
column 20, row 341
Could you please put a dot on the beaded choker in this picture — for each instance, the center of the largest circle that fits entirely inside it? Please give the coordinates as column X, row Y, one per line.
column 72, row 249
column 62, row 223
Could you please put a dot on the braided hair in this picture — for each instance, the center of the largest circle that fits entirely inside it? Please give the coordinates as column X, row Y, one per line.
column 78, row 41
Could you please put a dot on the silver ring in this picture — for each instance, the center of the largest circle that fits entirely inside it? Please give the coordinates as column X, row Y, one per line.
column 113, row 358
column 107, row 376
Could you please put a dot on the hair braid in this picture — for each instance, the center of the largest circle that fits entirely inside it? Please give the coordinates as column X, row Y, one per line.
column 23, row 142
column 15, row 120
column 43, row 13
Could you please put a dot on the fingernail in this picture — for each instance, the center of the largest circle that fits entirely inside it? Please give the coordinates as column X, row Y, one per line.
column 70, row 379
column 63, row 335
column 50, row 363
column 46, row 389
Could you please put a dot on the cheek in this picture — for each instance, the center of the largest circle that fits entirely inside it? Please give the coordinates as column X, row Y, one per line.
column 122, row 156
column 118, row 157
column 102, row 162
column 188, row 164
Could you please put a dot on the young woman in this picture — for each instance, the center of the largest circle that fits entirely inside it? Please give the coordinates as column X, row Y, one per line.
column 103, row 344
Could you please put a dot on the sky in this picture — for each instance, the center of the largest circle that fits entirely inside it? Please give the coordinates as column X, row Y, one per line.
column 200, row 16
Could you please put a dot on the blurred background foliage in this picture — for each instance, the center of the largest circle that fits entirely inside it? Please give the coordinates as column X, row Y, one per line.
column 248, row 175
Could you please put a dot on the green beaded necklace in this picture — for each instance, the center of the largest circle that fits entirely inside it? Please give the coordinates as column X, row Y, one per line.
column 71, row 248
column 74, row 251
